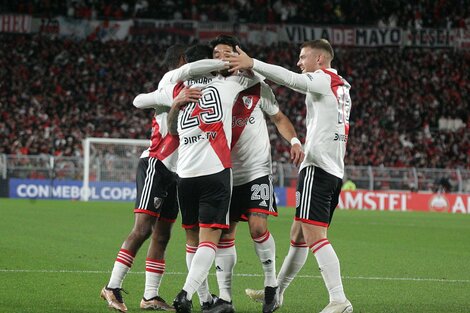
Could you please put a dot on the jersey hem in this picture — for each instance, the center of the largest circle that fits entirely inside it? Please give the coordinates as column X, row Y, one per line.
column 316, row 223
column 147, row 212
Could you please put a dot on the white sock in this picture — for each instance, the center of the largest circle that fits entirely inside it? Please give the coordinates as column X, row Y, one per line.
column 154, row 270
column 122, row 265
column 293, row 263
column 203, row 291
column 200, row 266
column 265, row 248
column 330, row 270
column 225, row 260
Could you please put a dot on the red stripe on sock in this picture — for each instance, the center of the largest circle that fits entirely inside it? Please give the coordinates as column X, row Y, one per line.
column 208, row 244
column 317, row 242
column 126, row 263
column 298, row 244
column 263, row 237
column 319, row 247
column 125, row 257
column 226, row 243
column 191, row 249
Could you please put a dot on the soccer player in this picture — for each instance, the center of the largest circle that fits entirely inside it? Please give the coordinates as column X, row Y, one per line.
column 319, row 183
column 155, row 207
column 253, row 193
column 204, row 166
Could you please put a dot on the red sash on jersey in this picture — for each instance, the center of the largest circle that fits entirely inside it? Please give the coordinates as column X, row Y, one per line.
column 336, row 82
column 162, row 147
column 219, row 143
column 246, row 102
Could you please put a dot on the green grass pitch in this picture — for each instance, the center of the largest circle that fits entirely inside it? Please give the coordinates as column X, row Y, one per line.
column 55, row 256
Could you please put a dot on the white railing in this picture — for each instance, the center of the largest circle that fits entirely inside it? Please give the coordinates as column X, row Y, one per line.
column 285, row 175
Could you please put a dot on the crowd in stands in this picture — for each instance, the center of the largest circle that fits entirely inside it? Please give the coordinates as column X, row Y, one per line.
column 391, row 13
column 410, row 106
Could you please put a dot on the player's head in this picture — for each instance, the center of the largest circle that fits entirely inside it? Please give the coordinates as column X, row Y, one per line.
column 221, row 45
column 174, row 56
column 197, row 52
column 314, row 55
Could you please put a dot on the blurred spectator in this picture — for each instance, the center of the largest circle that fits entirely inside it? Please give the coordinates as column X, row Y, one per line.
column 383, row 13
column 54, row 93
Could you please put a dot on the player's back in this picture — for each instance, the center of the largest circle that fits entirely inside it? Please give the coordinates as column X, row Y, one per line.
column 205, row 127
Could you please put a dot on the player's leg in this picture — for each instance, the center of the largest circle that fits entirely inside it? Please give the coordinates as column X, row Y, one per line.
column 144, row 219
column 293, row 263
column 192, row 242
column 214, row 201
column 124, row 260
column 200, row 266
column 317, row 203
column 161, row 233
column 294, row 260
column 155, row 267
column 225, row 260
column 260, row 203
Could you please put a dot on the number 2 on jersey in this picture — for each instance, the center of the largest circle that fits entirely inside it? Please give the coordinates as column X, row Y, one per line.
column 208, row 110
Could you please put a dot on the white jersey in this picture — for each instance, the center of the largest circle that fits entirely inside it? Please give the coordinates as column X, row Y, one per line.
column 205, row 127
column 164, row 146
column 251, row 149
column 328, row 108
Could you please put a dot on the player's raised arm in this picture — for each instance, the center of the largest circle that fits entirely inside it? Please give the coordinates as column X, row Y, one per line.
column 197, row 68
column 303, row 83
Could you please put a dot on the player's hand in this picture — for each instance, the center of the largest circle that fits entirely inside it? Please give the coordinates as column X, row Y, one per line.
column 241, row 61
column 297, row 154
column 187, row 95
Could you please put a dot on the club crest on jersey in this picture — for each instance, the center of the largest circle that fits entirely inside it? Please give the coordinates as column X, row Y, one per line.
column 248, row 101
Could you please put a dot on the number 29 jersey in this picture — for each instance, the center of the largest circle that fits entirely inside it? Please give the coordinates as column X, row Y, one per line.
column 205, row 127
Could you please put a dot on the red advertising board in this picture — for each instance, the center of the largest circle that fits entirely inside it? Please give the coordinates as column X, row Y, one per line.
column 405, row 201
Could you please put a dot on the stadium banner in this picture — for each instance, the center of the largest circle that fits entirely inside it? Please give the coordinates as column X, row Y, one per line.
column 77, row 29
column 342, row 36
column 13, row 23
column 165, row 31
column 429, row 37
column 262, row 34
column 207, row 31
column 462, row 39
column 46, row 26
column 405, row 201
column 110, row 30
column 94, row 30
column 71, row 189
column 178, row 27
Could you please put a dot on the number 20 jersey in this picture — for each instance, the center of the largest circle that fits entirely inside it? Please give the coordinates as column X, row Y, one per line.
column 205, row 127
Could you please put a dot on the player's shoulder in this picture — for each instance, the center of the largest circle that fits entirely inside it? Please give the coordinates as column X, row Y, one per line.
column 166, row 79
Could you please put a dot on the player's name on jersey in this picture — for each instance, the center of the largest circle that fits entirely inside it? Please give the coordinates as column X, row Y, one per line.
column 205, row 136
column 203, row 80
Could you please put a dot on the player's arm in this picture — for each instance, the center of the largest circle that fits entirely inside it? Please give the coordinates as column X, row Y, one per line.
column 304, row 83
column 284, row 126
column 152, row 100
column 286, row 129
column 197, row 68
column 185, row 96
